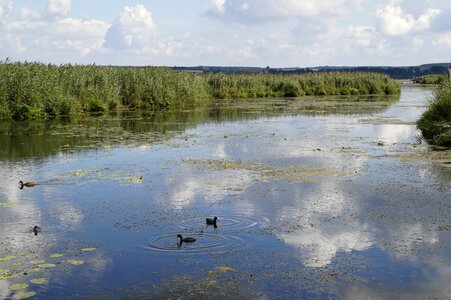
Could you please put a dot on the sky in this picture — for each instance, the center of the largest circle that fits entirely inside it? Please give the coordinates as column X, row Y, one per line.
column 276, row 33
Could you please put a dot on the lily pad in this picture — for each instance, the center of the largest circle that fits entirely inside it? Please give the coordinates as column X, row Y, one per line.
column 88, row 249
column 7, row 258
column 18, row 264
column 8, row 276
column 39, row 281
column 24, row 295
column 47, row 266
column 37, row 261
column 81, row 173
column 225, row 269
column 3, row 271
column 6, row 204
column 75, row 262
column 56, row 255
column 17, row 287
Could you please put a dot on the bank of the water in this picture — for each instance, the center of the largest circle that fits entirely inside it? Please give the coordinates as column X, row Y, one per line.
column 435, row 123
column 38, row 91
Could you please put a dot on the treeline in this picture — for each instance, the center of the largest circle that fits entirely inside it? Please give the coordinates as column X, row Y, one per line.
column 435, row 123
column 407, row 72
column 34, row 90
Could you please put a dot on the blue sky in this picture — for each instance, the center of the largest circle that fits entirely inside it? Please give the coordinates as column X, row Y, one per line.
column 278, row 33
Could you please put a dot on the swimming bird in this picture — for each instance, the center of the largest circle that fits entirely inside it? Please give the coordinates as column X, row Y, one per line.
column 211, row 221
column 186, row 240
column 36, row 230
column 27, row 184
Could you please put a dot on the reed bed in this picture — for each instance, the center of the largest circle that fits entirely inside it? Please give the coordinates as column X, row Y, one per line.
column 35, row 90
column 435, row 123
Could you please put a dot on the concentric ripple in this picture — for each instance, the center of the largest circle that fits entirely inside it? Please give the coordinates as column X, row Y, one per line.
column 235, row 222
column 205, row 242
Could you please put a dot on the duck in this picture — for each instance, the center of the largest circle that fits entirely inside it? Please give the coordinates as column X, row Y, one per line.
column 27, row 184
column 211, row 221
column 186, row 240
column 36, row 230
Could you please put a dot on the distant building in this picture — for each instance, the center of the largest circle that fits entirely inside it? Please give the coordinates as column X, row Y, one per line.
column 449, row 72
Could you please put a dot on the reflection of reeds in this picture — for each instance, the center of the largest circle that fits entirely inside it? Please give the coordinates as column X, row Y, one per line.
column 33, row 90
column 435, row 123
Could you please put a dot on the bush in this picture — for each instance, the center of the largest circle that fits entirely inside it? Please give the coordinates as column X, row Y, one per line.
column 435, row 123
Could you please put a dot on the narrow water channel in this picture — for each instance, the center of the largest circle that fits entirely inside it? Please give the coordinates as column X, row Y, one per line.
column 323, row 198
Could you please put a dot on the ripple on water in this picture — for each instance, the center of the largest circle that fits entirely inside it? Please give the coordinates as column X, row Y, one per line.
column 205, row 242
column 235, row 222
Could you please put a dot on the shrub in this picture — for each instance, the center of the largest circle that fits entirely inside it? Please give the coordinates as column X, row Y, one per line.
column 435, row 123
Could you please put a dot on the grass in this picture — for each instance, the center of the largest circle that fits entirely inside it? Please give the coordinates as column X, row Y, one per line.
column 36, row 91
column 435, row 123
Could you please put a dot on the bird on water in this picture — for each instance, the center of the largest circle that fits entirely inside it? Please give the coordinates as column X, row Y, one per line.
column 211, row 221
column 36, row 230
column 186, row 240
column 27, row 184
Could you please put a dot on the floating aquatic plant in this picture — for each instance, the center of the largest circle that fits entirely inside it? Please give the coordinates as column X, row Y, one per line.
column 6, row 204
column 225, row 269
column 39, row 281
column 7, row 258
column 17, row 287
column 37, row 261
column 47, row 265
column 56, row 255
column 88, row 249
column 24, row 295
column 75, row 262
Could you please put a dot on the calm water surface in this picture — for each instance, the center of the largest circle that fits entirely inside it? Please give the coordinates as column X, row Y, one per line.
column 316, row 199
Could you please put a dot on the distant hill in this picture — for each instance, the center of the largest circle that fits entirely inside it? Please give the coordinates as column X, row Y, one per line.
column 394, row 72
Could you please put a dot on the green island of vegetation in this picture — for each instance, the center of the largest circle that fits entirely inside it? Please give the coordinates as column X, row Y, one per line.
column 37, row 91
column 435, row 123
column 431, row 79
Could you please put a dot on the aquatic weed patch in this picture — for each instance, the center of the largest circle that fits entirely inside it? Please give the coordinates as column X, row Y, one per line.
column 268, row 173
column 102, row 174
column 7, row 204
column 28, row 262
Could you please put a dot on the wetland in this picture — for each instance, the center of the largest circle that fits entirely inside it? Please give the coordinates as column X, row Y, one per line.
column 324, row 197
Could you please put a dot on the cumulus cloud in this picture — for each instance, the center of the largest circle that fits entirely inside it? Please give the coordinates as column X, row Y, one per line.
column 245, row 11
column 59, row 7
column 443, row 40
column 37, row 35
column 133, row 29
column 5, row 7
column 394, row 21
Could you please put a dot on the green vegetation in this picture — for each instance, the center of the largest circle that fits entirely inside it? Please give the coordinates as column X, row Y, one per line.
column 435, row 123
column 432, row 79
column 34, row 91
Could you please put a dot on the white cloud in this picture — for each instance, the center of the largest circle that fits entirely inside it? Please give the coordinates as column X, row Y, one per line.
column 133, row 29
column 36, row 35
column 249, row 11
column 5, row 7
column 59, row 7
column 217, row 6
column 443, row 40
column 394, row 21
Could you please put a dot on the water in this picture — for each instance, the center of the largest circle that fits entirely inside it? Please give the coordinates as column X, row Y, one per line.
column 316, row 199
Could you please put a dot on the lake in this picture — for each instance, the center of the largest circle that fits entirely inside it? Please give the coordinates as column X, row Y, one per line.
column 325, row 197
